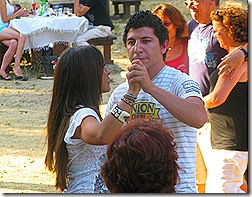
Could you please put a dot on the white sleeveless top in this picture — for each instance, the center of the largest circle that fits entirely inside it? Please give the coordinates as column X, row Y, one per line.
column 9, row 11
column 84, row 160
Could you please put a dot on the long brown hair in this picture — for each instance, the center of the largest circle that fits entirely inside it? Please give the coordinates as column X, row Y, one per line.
column 77, row 82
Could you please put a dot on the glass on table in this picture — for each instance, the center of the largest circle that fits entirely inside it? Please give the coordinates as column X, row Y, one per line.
column 58, row 10
column 70, row 12
column 65, row 10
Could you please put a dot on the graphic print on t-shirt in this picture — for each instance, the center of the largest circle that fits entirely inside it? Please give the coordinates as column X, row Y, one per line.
column 144, row 109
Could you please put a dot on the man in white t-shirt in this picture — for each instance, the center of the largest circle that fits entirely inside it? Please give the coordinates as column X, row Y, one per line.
column 166, row 93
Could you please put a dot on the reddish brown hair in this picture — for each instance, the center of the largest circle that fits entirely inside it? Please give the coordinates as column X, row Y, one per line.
column 234, row 18
column 173, row 14
column 142, row 158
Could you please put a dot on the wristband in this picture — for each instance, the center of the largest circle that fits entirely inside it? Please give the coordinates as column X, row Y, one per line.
column 245, row 53
column 131, row 96
column 128, row 101
column 119, row 114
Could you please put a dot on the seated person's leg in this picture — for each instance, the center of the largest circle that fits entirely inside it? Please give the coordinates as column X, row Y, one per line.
column 92, row 32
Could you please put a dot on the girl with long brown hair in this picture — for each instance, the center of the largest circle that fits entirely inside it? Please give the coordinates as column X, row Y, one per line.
column 76, row 133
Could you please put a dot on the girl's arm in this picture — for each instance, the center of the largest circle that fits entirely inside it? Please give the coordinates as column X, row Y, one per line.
column 3, row 11
column 93, row 132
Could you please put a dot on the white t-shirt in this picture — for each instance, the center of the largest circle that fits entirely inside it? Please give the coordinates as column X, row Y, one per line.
column 146, row 106
column 84, row 160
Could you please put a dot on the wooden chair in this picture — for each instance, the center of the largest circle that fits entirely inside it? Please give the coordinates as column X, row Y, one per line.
column 106, row 42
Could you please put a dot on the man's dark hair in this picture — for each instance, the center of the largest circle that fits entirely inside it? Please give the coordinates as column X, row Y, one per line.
column 146, row 19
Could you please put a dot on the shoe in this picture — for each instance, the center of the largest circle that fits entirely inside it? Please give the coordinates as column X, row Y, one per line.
column 21, row 78
column 6, row 78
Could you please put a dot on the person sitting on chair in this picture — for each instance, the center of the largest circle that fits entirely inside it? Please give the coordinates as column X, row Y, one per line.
column 100, row 24
column 12, row 39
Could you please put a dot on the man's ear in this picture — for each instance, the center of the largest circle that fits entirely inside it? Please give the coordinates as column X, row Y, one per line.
column 164, row 47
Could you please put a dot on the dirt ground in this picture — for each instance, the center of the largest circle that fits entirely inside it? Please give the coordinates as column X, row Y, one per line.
column 23, row 115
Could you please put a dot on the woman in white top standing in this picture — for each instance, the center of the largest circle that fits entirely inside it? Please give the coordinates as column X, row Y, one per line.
column 12, row 39
column 76, row 133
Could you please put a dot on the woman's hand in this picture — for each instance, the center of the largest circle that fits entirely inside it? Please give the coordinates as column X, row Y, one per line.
column 231, row 62
column 22, row 12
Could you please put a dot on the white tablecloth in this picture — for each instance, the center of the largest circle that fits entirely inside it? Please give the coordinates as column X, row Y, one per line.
column 42, row 31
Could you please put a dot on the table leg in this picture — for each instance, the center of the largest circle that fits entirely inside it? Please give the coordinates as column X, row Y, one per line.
column 137, row 6
column 116, row 8
column 126, row 7
column 35, row 56
column 107, row 54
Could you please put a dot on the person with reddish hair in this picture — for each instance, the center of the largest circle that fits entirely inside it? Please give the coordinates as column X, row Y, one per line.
column 142, row 158
column 175, row 23
column 227, row 104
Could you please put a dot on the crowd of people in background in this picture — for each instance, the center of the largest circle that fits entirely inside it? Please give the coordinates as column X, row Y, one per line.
column 179, row 123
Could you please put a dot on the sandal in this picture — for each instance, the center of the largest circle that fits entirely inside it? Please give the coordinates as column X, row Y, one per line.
column 6, row 78
column 21, row 78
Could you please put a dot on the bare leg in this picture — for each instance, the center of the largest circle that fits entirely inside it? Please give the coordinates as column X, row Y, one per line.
column 19, row 53
column 8, row 56
column 10, row 34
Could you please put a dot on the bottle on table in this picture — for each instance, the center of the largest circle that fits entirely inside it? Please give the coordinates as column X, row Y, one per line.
column 43, row 7
column 33, row 7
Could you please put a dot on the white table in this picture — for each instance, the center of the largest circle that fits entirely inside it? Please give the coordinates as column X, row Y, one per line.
column 41, row 31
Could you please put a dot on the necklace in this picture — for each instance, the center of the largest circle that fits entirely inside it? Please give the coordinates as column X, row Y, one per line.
column 178, row 42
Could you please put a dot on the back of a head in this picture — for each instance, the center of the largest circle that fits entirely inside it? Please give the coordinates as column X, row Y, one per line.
column 77, row 81
column 142, row 159
column 146, row 19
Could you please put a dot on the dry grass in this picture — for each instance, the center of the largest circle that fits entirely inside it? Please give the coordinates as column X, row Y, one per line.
column 23, row 113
